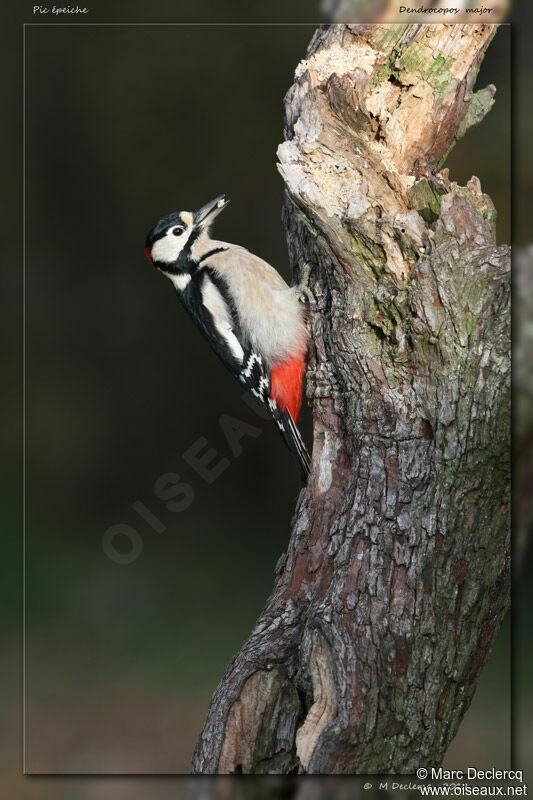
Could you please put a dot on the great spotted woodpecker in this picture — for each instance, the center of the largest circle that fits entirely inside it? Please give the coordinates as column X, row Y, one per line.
column 249, row 316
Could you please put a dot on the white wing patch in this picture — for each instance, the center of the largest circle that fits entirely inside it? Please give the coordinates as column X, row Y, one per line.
column 217, row 306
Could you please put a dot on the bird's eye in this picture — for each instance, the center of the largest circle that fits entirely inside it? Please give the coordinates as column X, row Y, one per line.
column 177, row 231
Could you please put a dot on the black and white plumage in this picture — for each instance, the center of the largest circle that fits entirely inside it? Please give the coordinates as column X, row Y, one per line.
column 250, row 317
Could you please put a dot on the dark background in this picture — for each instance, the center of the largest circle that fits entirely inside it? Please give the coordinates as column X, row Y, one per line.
column 123, row 126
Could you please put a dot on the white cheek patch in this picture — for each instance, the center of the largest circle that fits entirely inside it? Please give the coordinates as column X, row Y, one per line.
column 217, row 307
column 167, row 249
column 180, row 281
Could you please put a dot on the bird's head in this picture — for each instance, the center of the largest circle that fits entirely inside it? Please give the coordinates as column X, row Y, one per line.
column 175, row 234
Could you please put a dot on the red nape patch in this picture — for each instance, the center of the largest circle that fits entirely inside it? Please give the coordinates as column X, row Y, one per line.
column 148, row 254
column 286, row 381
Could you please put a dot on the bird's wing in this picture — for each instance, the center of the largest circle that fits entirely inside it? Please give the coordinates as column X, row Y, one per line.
column 217, row 302
column 255, row 374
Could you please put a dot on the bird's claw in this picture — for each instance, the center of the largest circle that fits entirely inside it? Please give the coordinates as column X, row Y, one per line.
column 304, row 292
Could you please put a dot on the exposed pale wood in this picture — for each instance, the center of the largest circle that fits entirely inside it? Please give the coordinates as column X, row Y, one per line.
column 396, row 576
column 324, row 707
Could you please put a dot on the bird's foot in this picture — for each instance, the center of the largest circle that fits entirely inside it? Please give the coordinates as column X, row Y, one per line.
column 304, row 291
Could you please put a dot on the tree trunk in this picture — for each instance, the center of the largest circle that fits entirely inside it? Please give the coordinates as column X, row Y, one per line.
column 396, row 576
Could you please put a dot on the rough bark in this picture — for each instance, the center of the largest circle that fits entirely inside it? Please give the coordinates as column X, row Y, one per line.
column 396, row 576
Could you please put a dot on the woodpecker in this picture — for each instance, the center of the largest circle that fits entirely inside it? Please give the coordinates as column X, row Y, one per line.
column 250, row 317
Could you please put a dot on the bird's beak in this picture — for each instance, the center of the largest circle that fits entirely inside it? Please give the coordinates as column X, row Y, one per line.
column 205, row 215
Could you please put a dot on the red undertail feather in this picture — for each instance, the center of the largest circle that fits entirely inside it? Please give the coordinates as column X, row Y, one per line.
column 286, row 383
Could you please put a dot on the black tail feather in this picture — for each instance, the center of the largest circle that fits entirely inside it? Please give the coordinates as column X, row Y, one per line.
column 295, row 443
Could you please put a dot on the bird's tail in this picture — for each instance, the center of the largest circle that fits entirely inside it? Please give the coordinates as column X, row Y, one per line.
column 294, row 442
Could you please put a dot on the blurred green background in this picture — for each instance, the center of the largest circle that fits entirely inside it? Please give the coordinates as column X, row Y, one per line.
column 125, row 124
